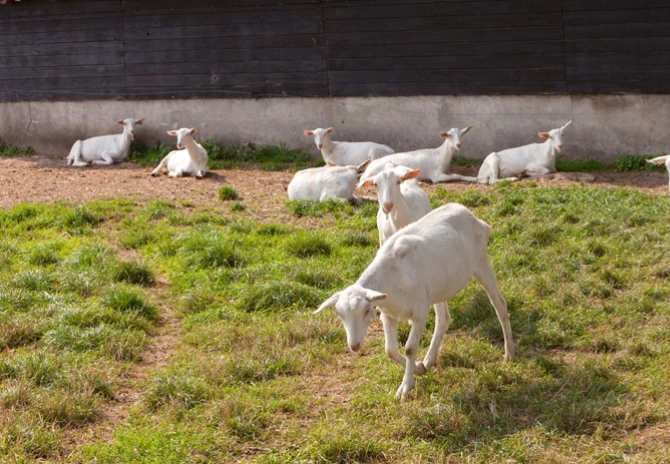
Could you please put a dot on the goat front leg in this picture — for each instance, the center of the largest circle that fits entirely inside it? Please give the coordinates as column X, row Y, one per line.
column 106, row 159
column 538, row 171
column 442, row 322
column 160, row 166
column 452, row 178
column 176, row 173
column 391, row 339
column 411, row 349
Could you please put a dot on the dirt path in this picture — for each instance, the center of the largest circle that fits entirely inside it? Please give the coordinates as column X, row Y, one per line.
column 44, row 179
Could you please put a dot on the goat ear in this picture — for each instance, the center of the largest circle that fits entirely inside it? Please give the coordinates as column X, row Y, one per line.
column 139, row 121
column 366, row 183
column 330, row 130
column 331, row 164
column 411, row 174
column 371, row 295
column 445, row 134
column 464, row 130
column 172, row 132
column 329, row 303
column 309, row 132
column 543, row 135
column 363, row 165
column 119, row 121
column 193, row 131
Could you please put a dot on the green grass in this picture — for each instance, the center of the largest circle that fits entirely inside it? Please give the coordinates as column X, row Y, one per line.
column 14, row 150
column 91, row 296
column 228, row 193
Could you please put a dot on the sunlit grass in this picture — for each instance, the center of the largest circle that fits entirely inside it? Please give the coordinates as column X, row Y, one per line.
column 252, row 376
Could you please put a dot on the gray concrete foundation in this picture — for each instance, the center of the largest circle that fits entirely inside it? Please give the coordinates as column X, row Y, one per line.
column 603, row 126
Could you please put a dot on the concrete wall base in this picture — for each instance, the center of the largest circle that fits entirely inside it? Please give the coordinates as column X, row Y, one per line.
column 603, row 126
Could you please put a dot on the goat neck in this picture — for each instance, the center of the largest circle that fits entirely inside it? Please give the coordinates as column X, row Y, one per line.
column 194, row 150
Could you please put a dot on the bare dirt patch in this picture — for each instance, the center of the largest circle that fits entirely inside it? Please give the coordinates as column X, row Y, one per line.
column 48, row 179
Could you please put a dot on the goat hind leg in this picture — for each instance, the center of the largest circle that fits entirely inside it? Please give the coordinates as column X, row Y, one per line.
column 487, row 277
column 106, row 159
column 160, row 166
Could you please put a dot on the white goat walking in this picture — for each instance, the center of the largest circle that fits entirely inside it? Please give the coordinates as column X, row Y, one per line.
column 427, row 262
column 401, row 200
column 664, row 159
column 325, row 183
column 433, row 162
column 533, row 160
column 189, row 160
column 104, row 149
column 346, row 153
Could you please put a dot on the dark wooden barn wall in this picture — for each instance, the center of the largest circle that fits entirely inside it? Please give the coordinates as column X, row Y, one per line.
column 158, row 49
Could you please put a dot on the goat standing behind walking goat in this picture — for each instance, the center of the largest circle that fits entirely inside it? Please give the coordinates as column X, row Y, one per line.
column 401, row 200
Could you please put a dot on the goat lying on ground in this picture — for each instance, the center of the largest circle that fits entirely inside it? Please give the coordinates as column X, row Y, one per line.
column 189, row 160
column 104, row 149
column 346, row 153
column 664, row 159
column 427, row 262
column 325, row 183
column 433, row 162
column 401, row 200
column 533, row 160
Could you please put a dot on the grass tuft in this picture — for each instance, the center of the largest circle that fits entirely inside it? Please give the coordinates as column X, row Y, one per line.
column 278, row 296
column 14, row 150
column 124, row 298
column 308, row 244
column 228, row 193
column 132, row 272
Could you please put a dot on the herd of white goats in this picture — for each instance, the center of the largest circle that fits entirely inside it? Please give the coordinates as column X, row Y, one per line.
column 426, row 256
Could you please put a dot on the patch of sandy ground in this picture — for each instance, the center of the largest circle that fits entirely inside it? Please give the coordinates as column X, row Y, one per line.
column 48, row 179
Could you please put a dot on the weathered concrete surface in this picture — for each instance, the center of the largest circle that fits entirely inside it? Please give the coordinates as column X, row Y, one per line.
column 603, row 126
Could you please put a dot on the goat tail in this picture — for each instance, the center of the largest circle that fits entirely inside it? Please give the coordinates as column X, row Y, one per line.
column 659, row 159
column 75, row 153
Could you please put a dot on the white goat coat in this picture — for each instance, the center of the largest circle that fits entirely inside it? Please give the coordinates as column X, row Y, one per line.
column 188, row 161
column 433, row 162
column 346, row 153
column 412, row 205
column 427, row 262
column 323, row 183
column 104, row 149
column 664, row 159
column 535, row 159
